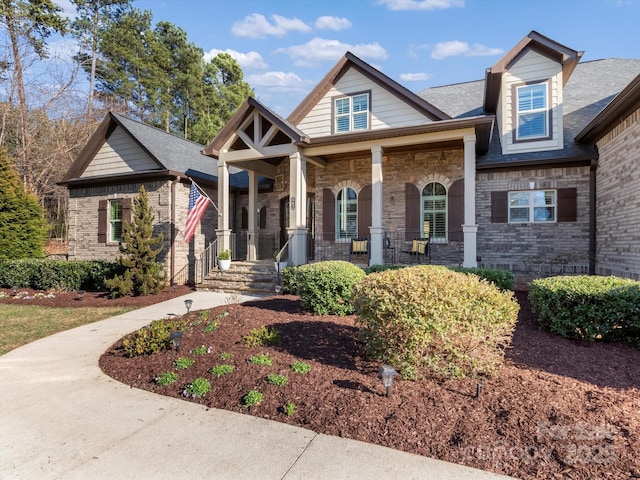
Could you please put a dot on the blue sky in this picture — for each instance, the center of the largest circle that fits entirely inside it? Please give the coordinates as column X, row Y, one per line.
column 285, row 47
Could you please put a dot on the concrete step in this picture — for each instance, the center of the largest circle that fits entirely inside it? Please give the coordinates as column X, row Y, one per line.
column 258, row 277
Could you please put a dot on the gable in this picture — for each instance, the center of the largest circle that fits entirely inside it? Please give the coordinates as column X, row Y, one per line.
column 387, row 109
column 119, row 154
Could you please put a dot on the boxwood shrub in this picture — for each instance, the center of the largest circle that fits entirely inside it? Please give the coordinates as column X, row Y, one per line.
column 431, row 321
column 588, row 308
column 503, row 279
column 325, row 287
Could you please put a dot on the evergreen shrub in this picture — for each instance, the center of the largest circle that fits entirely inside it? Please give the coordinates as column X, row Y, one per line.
column 588, row 308
column 431, row 321
column 56, row 274
column 503, row 279
column 325, row 287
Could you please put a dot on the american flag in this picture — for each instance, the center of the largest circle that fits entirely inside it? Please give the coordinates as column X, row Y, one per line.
column 197, row 206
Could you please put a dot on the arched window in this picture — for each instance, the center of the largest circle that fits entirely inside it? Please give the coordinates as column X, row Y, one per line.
column 347, row 213
column 434, row 211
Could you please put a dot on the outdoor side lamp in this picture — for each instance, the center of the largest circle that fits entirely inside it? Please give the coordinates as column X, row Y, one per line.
column 174, row 285
column 278, row 289
column 187, row 303
column 176, row 338
column 80, row 294
column 14, row 291
column 387, row 372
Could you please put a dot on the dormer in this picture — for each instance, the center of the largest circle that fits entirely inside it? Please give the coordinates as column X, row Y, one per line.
column 525, row 92
column 355, row 97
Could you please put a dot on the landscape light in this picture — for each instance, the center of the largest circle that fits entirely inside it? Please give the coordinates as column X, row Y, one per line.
column 479, row 387
column 80, row 294
column 14, row 291
column 278, row 289
column 174, row 285
column 187, row 303
column 176, row 338
column 387, row 372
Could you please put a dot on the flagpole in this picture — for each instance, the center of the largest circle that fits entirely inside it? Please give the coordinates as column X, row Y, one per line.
column 204, row 194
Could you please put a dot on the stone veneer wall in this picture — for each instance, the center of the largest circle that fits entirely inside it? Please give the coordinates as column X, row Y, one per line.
column 618, row 190
column 534, row 249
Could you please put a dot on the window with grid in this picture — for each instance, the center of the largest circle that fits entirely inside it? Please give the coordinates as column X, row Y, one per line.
column 352, row 113
column 434, row 211
column 115, row 220
column 347, row 214
column 533, row 118
column 532, row 206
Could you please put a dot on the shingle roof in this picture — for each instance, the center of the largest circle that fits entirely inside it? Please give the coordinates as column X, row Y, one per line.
column 591, row 87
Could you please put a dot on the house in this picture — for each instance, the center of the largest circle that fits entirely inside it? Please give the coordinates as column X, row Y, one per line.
column 498, row 173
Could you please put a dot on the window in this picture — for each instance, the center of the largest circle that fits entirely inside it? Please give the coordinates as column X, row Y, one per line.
column 347, row 214
column 352, row 113
column 434, row 211
column 532, row 121
column 532, row 206
column 115, row 221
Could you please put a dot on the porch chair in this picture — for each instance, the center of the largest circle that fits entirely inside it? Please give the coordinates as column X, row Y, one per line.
column 359, row 246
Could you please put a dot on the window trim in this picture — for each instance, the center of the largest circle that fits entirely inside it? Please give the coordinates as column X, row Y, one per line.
column 350, row 96
column 516, row 112
column 532, row 207
column 110, row 221
column 346, row 238
column 435, row 239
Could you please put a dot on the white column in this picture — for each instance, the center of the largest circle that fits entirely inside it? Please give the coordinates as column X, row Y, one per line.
column 253, row 207
column 223, row 233
column 470, row 228
column 376, row 231
column 298, row 209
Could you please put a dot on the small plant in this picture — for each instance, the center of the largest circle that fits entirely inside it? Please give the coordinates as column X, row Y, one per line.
column 198, row 388
column 277, row 380
column 254, row 397
column 211, row 326
column 166, row 378
column 261, row 359
column 204, row 314
column 226, row 355
column 289, row 409
column 201, row 350
column 220, row 370
column 224, row 255
column 183, row 363
column 148, row 340
column 301, row 367
column 259, row 337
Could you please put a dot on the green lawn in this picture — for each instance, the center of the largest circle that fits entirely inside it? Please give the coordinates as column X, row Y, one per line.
column 22, row 324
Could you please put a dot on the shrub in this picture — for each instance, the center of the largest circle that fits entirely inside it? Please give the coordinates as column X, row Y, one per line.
column 166, row 378
column 261, row 359
column 300, row 367
column 588, row 307
column 56, row 274
column 290, row 280
column 183, row 363
column 148, row 340
column 254, row 397
column 289, row 409
column 382, row 268
column 198, row 388
column 277, row 380
column 503, row 279
column 325, row 287
column 262, row 336
column 220, row 370
column 431, row 320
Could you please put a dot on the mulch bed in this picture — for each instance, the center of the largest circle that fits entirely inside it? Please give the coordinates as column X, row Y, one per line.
column 556, row 409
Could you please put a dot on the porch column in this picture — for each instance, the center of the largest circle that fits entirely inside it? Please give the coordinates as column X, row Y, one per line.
column 252, row 241
column 376, row 231
column 222, row 232
column 470, row 228
column 298, row 207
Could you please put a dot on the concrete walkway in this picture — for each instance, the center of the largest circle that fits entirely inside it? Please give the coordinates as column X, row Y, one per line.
column 62, row 418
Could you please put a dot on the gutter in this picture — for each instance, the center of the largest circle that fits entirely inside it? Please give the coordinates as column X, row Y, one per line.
column 592, row 217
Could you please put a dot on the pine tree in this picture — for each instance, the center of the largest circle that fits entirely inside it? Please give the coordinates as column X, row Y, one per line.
column 23, row 229
column 142, row 275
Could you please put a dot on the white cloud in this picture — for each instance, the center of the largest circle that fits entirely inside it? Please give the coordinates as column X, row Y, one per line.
column 62, row 50
column 320, row 50
column 456, row 47
column 415, row 77
column 332, row 23
column 278, row 81
column 68, row 8
column 257, row 26
column 421, row 4
column 248, row 61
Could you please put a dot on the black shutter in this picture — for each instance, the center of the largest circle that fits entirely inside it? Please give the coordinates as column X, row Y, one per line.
column 411, row 211
column 455, row 206
column 126, row 210
column 263, row 218
column 499, row 207
column 244, row 219
column 567, row 205
column 364, row 212
column 102, row 221
column 328, row 215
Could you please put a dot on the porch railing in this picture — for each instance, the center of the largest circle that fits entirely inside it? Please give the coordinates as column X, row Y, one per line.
column 208, row 260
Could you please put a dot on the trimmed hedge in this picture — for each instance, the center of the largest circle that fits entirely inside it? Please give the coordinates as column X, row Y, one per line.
column 588, row 308
column 325, row 287
column 432, row 321
column 56, row 274
column 503, row 279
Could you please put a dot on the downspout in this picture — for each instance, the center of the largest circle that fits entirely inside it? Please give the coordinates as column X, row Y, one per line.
column 592, row 216
column 173, row 228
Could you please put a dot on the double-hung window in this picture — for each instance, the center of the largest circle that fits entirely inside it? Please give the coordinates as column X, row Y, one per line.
column 352, row 113
column 532, row 206
column 115, row 221
column 532, row 111
column 347, row 213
